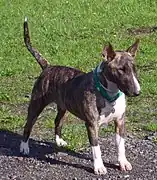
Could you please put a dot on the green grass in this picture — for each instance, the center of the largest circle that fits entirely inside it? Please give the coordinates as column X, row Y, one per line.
column 152, row 126
column 73, row 33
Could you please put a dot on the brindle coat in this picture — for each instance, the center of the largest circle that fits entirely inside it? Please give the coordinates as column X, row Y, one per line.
column 75, row 91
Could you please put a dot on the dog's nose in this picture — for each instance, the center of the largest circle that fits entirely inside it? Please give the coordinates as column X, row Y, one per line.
column 137, row 93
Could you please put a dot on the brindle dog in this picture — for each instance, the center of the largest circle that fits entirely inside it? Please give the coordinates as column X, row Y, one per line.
column 96, row 97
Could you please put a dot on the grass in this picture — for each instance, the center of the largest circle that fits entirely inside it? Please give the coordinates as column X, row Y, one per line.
column 73, row 33
column 152, row 126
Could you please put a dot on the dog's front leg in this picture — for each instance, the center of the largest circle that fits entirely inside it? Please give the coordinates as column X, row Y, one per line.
column 92, row 129
column 120, row 131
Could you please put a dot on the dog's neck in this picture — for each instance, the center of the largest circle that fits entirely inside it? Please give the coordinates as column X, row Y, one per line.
column 110, row 87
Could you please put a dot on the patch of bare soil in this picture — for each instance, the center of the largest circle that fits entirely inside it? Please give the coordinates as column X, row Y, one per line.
column 142, row 30
column 46, row 161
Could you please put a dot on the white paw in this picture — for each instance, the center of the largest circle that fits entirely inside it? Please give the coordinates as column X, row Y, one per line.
column 60, row 141
column 24, row 148
column 99, row 167
column 125, row 165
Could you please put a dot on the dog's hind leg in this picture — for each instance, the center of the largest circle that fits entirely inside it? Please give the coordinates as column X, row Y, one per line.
column 120, row 131
column 58, row 126
column 34, row 109
column 92, row 129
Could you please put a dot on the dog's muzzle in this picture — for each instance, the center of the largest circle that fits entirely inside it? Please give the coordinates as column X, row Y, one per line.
column 137, row 93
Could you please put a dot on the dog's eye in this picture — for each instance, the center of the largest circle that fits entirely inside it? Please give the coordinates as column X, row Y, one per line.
column 122, row 70
column 113, row 69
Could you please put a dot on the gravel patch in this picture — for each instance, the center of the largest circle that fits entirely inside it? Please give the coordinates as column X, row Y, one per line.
column 46, row 161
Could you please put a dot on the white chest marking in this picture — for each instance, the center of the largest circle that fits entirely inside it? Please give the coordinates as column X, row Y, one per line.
column 113, row 111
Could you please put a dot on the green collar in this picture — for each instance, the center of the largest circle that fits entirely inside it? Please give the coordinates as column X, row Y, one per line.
column 102, row 91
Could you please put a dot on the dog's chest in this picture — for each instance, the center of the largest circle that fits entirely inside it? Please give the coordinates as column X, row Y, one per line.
column 112, row 110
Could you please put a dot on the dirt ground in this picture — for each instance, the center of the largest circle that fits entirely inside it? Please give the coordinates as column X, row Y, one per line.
column 46, row 161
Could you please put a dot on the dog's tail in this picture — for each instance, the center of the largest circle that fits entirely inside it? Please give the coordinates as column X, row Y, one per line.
column 42, row 62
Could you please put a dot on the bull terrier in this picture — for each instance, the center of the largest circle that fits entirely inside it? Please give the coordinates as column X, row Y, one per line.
column 96, row 97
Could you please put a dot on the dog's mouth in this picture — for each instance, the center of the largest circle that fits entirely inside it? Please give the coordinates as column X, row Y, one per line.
column 129, row 91
column 129, row 94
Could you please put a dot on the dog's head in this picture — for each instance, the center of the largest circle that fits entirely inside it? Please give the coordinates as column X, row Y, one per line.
column 121, row 68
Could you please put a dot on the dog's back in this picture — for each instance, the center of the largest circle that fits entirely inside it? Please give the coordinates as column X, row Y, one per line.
column 51, row 82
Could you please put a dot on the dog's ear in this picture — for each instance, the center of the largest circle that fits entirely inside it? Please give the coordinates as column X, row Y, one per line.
column 108, row 52
column 133, row 49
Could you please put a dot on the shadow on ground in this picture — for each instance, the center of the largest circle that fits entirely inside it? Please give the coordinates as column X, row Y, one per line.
column 10, row 142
